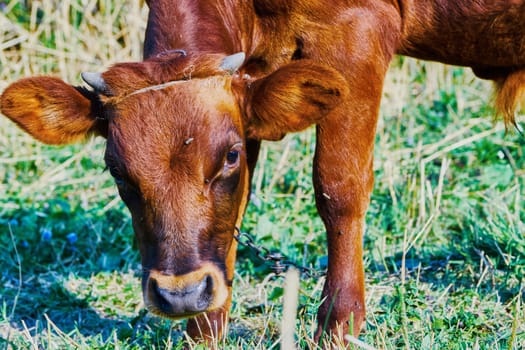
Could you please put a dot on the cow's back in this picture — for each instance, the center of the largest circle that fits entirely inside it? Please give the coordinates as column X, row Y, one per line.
column 478, row 34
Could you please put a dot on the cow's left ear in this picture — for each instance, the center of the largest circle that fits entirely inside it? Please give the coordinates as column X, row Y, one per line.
column 52, row 111
column 291, row 99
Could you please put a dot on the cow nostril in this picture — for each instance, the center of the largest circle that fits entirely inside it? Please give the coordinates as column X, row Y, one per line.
column 206, row 292
column 209, row 285
column 162, row 301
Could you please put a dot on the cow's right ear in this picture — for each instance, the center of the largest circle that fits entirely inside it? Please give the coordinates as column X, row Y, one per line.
column 291, row 99
column 52, row 111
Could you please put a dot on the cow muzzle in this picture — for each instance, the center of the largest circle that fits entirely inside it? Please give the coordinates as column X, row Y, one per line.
column 180, row 296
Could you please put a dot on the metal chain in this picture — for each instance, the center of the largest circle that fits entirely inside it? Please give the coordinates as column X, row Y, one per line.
column 280, row 263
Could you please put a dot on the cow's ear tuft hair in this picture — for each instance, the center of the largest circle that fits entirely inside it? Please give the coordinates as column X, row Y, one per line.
column 52, row 111
column 291, row 99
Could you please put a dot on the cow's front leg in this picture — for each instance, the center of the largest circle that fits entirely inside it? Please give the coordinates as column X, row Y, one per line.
column 343, row 164
column 343, row 180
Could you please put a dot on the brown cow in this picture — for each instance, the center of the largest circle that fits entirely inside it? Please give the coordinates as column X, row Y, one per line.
column 183, row 130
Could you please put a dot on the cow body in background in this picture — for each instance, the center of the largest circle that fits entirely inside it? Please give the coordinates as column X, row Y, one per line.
column 183, row 127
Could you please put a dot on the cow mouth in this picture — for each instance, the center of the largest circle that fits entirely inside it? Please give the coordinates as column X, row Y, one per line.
column 182, row 296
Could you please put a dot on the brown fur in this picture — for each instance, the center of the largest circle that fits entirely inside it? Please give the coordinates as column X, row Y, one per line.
column 291, row 99
column 510, row 91
column 49, row 109
column 307, row 62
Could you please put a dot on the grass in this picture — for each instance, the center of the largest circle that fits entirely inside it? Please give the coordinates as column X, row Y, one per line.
column 444, row 247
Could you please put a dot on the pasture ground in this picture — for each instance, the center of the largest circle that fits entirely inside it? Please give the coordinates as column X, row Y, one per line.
column 444, row 246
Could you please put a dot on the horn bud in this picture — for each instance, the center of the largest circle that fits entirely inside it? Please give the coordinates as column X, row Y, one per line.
column 233, row 62
column 96, row 81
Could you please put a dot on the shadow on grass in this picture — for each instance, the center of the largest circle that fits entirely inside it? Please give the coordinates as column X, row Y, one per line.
column 38, row 250
column 36, row 305
column 44, row 306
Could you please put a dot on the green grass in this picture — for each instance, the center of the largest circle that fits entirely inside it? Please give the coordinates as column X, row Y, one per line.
column 444, row 246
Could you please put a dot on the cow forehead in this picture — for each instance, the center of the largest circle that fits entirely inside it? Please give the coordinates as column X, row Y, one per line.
column 182, row 105
column 154, row 125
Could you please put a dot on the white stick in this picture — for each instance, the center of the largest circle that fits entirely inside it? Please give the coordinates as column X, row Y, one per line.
column 290, row 301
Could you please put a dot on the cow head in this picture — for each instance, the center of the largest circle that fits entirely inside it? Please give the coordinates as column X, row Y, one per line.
column 176, row 129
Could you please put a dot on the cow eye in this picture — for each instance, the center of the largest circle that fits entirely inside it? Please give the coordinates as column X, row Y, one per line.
column 233, row 156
